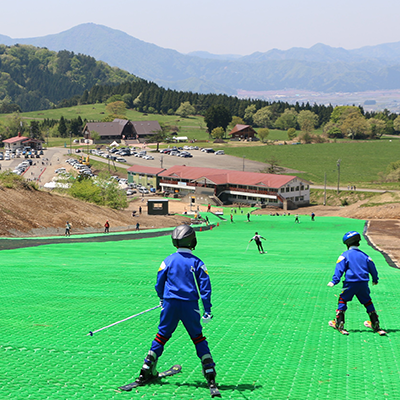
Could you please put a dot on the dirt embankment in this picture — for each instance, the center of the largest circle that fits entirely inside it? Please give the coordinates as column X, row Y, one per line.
column 29, row 212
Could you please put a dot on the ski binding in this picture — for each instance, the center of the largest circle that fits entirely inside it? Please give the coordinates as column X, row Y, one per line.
column 172, row 371
column 333, row 325
column 368, row 324
column 214, row 392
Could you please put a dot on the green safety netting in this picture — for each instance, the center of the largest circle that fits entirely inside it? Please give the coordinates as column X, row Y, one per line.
column 269, row 337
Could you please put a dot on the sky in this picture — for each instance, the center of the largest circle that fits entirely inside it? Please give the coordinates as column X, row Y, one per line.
column 217, row 26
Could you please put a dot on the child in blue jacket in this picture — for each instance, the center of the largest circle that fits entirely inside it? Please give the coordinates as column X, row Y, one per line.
column 357, row 267
column 181, row 278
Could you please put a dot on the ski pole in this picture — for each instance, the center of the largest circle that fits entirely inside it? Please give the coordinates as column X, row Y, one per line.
column 248, row 244
column 122, row 320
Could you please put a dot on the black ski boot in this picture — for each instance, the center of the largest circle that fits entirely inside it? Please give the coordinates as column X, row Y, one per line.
column 339, row 321
column 209, row 373
column 374, row 321
column 149, row 369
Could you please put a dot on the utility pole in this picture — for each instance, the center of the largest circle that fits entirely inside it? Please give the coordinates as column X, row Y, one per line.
column 243, row 161
column 325, row 190
column 338, row 174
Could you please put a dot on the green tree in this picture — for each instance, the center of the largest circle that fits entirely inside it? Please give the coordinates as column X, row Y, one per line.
column 95, row 136
column 34, row 130
column 332, row 130
column 291, row 133
column 355, row 126
column 263, row 117
column 263, row 134
column 116, row 108
column 185, row 109
column 236, row 121
column 340, row 113
column 217, row 116
column 249, row 113
column 378, row 127
column 127, row 98
column 396, row 124
column 218, row 133
column 393, row 172
column 14, row 124
column 161, row 135
column 62, row 127
column 307, row 121
column 287, row 120
column 114, row 98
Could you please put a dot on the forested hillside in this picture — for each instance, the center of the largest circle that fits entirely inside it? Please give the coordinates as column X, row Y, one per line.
column 33, row 78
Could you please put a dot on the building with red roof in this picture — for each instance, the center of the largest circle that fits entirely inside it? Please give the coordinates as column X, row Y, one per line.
column 229, row 186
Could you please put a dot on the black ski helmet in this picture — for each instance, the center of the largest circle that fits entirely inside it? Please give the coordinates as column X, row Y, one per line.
column 184, row 236
column 352, row 237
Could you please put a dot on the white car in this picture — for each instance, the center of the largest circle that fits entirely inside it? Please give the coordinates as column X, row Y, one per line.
column 219, row 152
column 120, row 159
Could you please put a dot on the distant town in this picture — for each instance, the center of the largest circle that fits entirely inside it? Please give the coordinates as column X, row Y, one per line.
column 377, row 100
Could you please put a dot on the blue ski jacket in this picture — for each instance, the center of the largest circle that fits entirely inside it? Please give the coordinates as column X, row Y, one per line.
column 175, row 278
column 356, row 265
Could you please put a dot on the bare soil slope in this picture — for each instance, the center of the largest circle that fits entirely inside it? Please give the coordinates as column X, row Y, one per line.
column 29, row 212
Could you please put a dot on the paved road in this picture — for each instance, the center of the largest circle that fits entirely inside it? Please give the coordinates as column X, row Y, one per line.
column 346, row 189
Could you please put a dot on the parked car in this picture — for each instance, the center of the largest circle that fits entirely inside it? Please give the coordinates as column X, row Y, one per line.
column 120, row 159
column 219, row 152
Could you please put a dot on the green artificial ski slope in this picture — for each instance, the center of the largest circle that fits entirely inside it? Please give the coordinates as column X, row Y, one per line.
column 269, row 337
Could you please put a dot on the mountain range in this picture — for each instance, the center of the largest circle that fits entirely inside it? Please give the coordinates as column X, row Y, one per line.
column 320, row 68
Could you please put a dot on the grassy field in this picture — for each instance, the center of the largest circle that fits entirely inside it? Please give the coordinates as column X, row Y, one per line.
column 361, row 162
column 269, row 336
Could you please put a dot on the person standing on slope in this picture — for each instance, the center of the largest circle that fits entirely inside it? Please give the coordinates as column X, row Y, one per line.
column 357, row 267
column 180, row 278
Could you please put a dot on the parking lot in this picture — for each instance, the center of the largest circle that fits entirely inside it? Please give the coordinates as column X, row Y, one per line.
column 199, row 159
column 43, row 169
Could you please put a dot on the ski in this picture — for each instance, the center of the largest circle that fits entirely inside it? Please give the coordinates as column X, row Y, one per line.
column 214, row 392
column 368, row 324
column 333, row 325
column 172, row 371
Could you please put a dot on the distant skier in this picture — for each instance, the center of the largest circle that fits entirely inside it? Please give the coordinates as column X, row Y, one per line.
column 107, row 227
column 357, row 266
column 312, row 216
column 257, row 238
column 296, row 219
column 248, row 217
column 67, row 229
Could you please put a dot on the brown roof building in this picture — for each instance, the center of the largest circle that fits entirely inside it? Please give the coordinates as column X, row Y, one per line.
column 244, row 132
column 122, row 129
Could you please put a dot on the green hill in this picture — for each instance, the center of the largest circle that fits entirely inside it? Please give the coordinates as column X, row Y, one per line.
column 35, row 78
